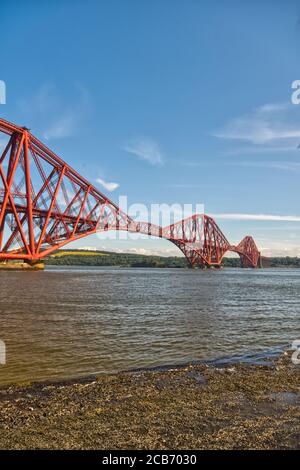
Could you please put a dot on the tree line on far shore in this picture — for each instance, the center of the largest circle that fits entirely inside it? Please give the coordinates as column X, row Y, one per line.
column 105, row 258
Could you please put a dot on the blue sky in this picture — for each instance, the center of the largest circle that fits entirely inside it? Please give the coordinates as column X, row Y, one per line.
column 172, row 101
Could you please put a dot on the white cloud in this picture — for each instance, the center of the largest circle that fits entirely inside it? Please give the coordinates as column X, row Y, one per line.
column 145, row 149
column 264, row 125
column 261, row 217
column 150, row 252
column 278, row 248
column 108, row 186
column 87, row 248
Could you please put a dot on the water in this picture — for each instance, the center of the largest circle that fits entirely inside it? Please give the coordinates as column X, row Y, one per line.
column 68, row 322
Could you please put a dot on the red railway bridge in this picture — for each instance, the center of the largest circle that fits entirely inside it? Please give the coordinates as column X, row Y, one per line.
column 45, row 204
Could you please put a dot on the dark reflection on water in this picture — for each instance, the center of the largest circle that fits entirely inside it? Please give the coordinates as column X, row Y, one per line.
column 73, row 321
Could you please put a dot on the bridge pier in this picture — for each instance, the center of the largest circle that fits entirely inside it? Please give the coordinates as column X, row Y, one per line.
column 246, row 263
column 20, row 265
column 34, row 264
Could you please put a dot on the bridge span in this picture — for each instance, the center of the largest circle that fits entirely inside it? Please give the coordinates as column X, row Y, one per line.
column 45, row 204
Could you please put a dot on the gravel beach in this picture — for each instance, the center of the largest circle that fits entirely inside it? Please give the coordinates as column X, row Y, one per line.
column 192, row 407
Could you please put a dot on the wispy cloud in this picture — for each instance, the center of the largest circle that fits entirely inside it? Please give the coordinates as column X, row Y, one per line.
column 260, row 217
column 108, row 186
column 186, row 186
column 145, row 149
column 264, row 125
column 63, row 127
column 55, row 116
column 196, row 164
column 67, row 121
column 293, row 167
column 278, row 248
column 149, row 252
column 263, row 149
column 87, row 248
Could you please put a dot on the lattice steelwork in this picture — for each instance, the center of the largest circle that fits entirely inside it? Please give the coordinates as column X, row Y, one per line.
column 45, row 204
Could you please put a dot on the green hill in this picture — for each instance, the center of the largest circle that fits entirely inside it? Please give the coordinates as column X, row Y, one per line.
column 109, row 258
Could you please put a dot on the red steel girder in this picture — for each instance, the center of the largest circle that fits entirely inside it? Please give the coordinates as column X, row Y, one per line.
column 45, row 204
column 249, row 253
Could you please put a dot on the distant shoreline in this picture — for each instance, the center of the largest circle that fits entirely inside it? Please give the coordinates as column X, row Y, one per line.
column 132, row 260
column 106, row 258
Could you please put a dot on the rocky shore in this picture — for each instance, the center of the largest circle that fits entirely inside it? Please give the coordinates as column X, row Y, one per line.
column 193, row 407
column 21, row 266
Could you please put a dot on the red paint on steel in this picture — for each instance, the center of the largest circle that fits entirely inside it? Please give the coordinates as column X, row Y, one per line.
column 45, row 204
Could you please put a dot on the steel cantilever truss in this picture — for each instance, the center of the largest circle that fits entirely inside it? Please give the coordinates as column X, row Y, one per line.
column 204, row 244
column 200, row 239
column 45, row 204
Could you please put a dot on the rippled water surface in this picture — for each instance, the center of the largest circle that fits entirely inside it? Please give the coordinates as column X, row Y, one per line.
column 67, row 322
